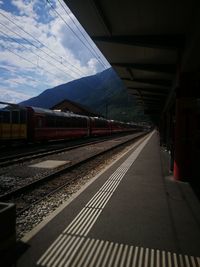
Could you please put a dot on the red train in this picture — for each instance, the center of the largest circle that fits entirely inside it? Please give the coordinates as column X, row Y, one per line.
column 37, row 124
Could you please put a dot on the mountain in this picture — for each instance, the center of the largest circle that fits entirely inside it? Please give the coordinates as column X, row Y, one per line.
column 103, row 92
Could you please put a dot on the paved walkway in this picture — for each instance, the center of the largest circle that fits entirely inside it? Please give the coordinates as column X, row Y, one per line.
column 131, row 215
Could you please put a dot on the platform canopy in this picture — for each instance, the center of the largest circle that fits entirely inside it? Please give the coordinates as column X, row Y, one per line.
column 147, row 42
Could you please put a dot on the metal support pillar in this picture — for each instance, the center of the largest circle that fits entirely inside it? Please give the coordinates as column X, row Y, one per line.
column 185, row 126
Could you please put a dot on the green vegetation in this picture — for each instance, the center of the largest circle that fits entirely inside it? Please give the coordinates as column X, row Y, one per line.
column 119, row 106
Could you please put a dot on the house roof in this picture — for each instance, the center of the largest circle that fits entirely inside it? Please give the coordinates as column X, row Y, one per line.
column 68, row 105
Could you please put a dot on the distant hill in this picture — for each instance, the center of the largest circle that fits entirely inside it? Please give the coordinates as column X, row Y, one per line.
column 103, row 92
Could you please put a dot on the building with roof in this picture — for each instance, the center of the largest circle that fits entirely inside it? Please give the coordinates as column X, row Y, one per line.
column 71, row 106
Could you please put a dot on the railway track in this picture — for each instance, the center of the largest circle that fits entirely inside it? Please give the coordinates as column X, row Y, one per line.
column 22, row 157
column 35, row 191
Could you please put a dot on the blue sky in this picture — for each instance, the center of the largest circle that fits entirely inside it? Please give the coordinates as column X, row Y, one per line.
column 42, row 45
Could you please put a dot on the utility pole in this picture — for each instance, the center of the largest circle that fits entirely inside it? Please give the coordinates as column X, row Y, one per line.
column 106, row 110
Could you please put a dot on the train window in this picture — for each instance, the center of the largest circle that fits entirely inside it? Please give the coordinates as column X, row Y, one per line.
column 78, row 123
column 100, row 123
column 68, row 122
column 84, row 123
column 57, row 122
column 5, row 116
column 198, row 122
column 61, row 122
column 15, row 116
column 38, row 122
column 74, row 123
column 1, row 116
column 22, row 116
column 51, row 121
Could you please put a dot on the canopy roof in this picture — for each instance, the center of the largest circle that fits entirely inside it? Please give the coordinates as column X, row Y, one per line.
column 148, row 43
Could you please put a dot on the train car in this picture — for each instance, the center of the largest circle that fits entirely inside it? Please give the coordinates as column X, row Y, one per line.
column 44, row 124
column 118, row 127
column 13, row 124
column 37, row 124
column 99, row 126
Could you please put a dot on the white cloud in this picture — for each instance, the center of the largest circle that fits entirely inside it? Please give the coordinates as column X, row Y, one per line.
column 92, row 64
column 25, row 7
column 62, row 57
column 8, row 95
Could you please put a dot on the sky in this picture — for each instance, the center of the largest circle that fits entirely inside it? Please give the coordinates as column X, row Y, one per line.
column 42, row 45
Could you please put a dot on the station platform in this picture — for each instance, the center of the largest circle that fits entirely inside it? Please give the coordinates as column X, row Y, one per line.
column 131, row 214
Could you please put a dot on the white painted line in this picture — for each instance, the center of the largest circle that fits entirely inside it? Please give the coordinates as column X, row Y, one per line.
column 129, row 257
column 84, row 256
column 187, row 261
column 85, row 220
column 96, row 201
column 95, row 256
column 117, row 259
column 135, row 256
column 84, row 212
column 91, row 254
column 35, row 230
column 67, row 258
column 96, row 197
column 103, row 202
column 55, row 244
column 106, row 256
column 113, row 254
column 175, row 260
column 78, row 258
column 124, row 256
column 90, row 223
column 66, row 251
column 77, row 251
column 81, row 223
column 181, row 261
column 193, row 261
column 146, row 257
column 158, row 258
column 55, row 256
column 163, row 259
column 99, row 260
column 152, row 258
column 140, row 257
column 169, row 259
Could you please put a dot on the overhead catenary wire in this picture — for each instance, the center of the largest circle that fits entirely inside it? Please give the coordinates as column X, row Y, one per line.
column 92, row 52
column 29, row 78
column 78, row 28
column 22, row 84
column 35, row 64
column 32, row 44
column 28, row 60
column 75, row 23
column 37, row 55
column 39, row 42
column 42, row 44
